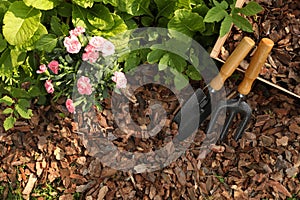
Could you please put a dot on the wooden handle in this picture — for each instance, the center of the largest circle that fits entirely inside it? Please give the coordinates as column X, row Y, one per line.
column 257, row 61
column 232, row 62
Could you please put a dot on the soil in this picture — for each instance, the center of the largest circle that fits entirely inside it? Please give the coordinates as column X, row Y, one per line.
column 47, row 155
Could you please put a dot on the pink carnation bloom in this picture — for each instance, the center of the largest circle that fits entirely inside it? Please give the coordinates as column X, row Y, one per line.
column 70, row 106
column 72, row 44
column 84, row 86
column 91, row 56
column 97, row 42
column 108, row 48
column 42, row 69
column 90, row 48
column 77, row 31
column 54, row 66
column 49, row 86
column 120, row 80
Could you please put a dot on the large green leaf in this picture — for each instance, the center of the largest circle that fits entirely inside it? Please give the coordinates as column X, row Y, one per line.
column 9, row 123
column 42, row 4
column 134, row 7
column 155, row 55
column 186, row 22
column 20, row 23
column 100, row 17
column 215, row 14
column 79, row 18
column 29, row 45
column 165, row 7
column 118, row 28
column 84, row 3
column 46, row 43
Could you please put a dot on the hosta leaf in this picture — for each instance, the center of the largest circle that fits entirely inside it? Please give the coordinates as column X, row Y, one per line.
column 84, row 3
column 165, row 7
column 242, row 23
column 100, row 17
column 29, row 45
column 9, row 123
column 225, row 25
column 215, row 14
column 46, row 43
column 20, row 23
column 42, row 4
column 137, row 7
column 118, row 28
column 186, row 22
column 164, row 62
column 252, row 8
column 79, row 18
column 7, row 100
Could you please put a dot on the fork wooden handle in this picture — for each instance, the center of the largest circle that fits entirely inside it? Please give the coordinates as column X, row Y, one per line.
column 232, row 62
column 257, row 61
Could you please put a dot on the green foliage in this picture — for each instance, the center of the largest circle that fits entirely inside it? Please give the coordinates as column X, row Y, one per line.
column 220, row 12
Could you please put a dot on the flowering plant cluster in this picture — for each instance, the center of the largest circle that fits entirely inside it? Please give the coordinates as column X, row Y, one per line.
column 82, row 64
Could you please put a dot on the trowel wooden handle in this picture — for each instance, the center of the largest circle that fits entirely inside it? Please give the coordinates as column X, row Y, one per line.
column 257, row 61
column 232, row 62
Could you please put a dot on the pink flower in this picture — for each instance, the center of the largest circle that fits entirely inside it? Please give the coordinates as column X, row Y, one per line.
column 90, row 48
column 91, row 56
column 120, row 79
column 97, row 42
column 42, row 69
column 70, row 106
column 77, row 31
column 84, row 86
column 54, row 66
column 108, row 48
column 72, row 44
column 49, row 86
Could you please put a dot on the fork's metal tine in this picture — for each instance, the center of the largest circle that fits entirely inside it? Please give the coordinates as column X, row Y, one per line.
column 227, row 124
column 246, row 115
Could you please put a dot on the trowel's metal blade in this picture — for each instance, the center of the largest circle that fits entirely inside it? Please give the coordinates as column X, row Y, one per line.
column 192, row 118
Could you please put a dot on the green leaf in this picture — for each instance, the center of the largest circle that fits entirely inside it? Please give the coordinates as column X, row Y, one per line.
column 165, row 8
column 147, row 21
column 65, row 9
column 29, row 45
column 215, row 14
column 177, row 62
column 7, row 100
column 58, row 27
column 137, row 7
column 180, row 81
column 9, row 123
column 20, row 23
column 201, row 9
column 193, row 73
column 79, row 18
column 84, row 3
column 24, row 112
column 186, row 22
column 155, row 55
column 46, row 43
column 225, row 25
column 3, row 43
column 100, row 17
column 242, row 23
column 42, row 4
column 118, row 28
column 164, row 62
column 6, row 67
column 19, row 93
column 7, row 111
column 131, row 62
column 17, row 58
column 24, row 103
column 223, row 5
column 252, row 8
